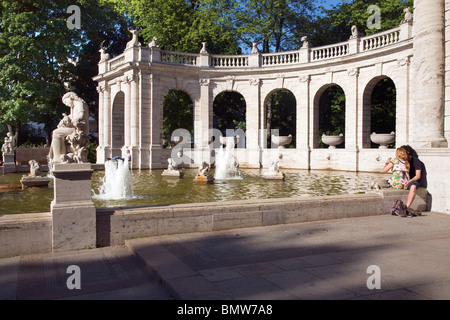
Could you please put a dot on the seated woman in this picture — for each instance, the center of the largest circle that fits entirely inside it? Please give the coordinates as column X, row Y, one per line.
column 400, row 169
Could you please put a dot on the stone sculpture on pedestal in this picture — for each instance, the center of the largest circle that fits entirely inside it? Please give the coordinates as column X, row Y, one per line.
column 34, row 178
column 71, row 138
column 204, row 174
column 171, row 170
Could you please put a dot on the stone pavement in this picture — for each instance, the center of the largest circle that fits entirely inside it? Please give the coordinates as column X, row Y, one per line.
column 340, row 259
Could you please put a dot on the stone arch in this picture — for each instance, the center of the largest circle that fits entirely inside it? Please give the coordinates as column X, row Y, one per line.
column 367, row 111
column 289, row 106
column 317, row 126
column 118, row 124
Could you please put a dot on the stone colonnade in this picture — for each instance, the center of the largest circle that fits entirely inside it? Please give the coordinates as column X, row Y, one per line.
column 132, row 87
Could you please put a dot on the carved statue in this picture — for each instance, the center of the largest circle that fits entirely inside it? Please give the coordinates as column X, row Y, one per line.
column 7, row 146
column 71, row 138
column 408, row 15
column 355, row 32
column 35, row 169
column 103, row 55
column 153, row 43
column 204, row 169
column 134, row 40
column 305, row 42
column 171, row 164
column 273, row 166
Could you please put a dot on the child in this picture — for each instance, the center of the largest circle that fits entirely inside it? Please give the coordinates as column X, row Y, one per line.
column 400, row 169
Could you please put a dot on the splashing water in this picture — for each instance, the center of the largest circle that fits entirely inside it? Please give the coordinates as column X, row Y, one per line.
column 226, row 164
column 117, row 182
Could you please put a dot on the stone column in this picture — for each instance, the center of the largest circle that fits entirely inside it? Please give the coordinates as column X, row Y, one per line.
column 302, row 121
column 447, row 71
column 203, row 124
column 127, row 121
column 107, row 121
column 134, row 118
column 73, row 212
column 253, row 124
column 429, row 74
column 101, row 143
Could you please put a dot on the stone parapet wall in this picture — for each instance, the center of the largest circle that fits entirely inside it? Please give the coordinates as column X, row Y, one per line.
column 32, row 233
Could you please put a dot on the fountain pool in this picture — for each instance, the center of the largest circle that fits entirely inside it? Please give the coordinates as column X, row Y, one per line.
column 150, row 188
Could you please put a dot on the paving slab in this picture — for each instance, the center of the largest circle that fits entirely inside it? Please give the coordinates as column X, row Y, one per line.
column 323, row 260
column 326, row 260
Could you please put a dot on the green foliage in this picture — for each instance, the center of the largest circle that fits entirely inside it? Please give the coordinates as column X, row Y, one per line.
column 229, row 110
column 92, row 150
column 178, row 111
column 41, row 58
column 284, row 114
column 332, row 113
column 335, row 24
column 179, row 25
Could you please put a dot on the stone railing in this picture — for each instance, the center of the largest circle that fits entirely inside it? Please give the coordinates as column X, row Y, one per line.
column 380, row 40
column 271, row 59
column 328, row 52
column 228, row 60
column 352, row 46
column 179, row 58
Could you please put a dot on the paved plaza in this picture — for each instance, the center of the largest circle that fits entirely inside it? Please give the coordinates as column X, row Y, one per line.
column 336, row 259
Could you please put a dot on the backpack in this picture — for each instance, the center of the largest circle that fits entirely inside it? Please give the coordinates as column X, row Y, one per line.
column 398, row 208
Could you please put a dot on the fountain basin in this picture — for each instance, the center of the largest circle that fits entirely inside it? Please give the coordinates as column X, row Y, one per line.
column 151, row 188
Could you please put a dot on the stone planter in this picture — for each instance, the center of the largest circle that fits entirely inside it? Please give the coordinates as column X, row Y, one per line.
column 282, row 141
column 383, row 139
column 332, row 141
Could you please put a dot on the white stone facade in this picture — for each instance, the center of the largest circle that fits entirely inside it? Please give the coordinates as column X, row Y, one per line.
column 132, row 87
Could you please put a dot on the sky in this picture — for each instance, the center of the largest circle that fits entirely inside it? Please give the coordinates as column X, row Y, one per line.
column 330, row 3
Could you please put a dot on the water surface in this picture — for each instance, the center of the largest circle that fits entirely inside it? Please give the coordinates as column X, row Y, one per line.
column 150, row 188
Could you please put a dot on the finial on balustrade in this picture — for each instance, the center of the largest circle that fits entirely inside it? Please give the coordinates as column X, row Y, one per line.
column 355, row 32
column 153, row 43
column 408, row 15
column 255, row 47
column 305, row 42
column 134, row 40
column 203, row 50
column 103, row 55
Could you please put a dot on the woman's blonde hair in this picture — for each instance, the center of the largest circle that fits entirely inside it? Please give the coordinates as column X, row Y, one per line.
column 401, row 154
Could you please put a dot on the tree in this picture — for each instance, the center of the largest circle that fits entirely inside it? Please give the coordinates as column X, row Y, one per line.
column 35, row 60
column 41, row 57
column 179, row 25
column 334, row 25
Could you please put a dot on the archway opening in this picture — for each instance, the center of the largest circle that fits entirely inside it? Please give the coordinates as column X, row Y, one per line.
column 280, row 113
column 118, row 125
column 229, row 114
column 329, row 114
column 383, row 107
column 178, row 113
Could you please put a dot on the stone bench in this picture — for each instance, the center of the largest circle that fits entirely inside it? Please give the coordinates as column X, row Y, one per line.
column 422, row 201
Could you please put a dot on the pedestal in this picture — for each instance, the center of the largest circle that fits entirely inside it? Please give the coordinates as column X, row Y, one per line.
column 73, row 212
column 172, row 174
column 9, row 164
